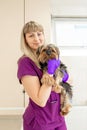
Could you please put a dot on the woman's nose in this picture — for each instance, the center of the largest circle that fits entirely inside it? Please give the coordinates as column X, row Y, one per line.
column 36, row 38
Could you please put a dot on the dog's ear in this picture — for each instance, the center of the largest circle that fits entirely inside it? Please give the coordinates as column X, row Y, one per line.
column 57, row 50
column 39, row 50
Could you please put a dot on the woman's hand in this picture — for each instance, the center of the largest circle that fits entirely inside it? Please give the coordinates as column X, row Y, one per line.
column 53, row 64
column 65, row 77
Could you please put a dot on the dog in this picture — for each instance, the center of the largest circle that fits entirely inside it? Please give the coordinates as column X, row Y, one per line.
column 45, row 53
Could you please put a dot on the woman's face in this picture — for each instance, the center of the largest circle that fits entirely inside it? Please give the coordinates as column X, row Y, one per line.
column 34, row 39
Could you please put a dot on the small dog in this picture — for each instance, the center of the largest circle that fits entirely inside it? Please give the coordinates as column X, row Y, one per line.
column 50, row 51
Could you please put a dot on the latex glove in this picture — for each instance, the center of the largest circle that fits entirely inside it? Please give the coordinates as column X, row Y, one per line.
column 65, row 77
column 53, row 64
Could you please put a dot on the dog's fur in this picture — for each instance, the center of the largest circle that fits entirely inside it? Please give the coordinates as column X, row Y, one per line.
column 50, row 51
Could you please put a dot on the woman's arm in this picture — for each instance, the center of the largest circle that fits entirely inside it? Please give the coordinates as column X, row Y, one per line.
column 39, row 94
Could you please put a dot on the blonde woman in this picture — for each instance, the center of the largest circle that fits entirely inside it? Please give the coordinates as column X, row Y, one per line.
column 42, row 112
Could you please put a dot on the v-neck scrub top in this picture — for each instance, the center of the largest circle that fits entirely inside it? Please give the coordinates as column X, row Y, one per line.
column 36, row 117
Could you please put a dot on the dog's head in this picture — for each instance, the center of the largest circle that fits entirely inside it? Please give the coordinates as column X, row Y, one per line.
column 46, row 52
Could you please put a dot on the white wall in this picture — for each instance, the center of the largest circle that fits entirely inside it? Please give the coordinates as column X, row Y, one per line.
column 71, row 8
column 76, row 62
column 77, row 66
column 77, row 118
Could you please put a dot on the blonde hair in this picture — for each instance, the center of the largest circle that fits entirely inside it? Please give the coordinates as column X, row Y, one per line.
column 28, row 28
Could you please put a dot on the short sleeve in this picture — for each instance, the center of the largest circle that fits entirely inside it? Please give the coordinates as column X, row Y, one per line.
column 25, row 67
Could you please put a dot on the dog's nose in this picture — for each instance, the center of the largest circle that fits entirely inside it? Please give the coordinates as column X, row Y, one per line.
column 48, row 52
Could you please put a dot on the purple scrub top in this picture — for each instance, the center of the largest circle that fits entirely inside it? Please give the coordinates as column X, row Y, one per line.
column 48, row 116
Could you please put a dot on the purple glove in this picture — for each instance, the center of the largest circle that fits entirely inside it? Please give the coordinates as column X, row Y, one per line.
column 53, row 64
column 65, row 77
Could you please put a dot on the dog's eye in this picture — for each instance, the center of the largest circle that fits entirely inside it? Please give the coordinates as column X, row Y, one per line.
column 53, row 50
column 44, row 50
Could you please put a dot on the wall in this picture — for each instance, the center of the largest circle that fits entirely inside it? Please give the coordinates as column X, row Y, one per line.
column 77, row 66
column 76, row 120
column 39, row 11
column 69, row 8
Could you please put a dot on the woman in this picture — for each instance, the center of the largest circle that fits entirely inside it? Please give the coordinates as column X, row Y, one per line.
column 42, row 112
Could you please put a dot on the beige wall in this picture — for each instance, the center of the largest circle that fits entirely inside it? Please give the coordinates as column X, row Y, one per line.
column 39, row 11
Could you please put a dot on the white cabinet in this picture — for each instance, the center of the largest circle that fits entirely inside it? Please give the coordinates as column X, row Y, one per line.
column 13, row 15
column 11, row 22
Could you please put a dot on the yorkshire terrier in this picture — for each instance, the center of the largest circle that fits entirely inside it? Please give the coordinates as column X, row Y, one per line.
column 45, row 53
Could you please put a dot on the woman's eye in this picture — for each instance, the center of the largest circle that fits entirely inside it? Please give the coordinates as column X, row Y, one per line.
column 39, row 34
column 31, row 36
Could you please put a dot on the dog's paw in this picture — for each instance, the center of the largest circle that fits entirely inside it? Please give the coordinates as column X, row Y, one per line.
column 65, row 110
column 57, row 88
column 47, row 79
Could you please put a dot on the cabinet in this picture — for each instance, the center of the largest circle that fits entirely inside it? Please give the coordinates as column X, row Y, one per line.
column 11, row 22
column 13, row 15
